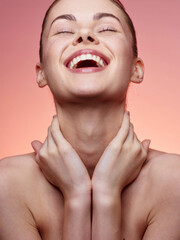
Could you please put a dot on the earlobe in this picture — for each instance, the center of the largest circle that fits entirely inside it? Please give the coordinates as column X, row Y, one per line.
column 138, row 71
column 40, row 76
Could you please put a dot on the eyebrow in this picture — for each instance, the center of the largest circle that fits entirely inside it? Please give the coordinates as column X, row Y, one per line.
column 96, row 17
column 69, row 17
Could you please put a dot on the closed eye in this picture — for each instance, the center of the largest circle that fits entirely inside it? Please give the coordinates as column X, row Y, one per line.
column 64, row 32
column 107, row 29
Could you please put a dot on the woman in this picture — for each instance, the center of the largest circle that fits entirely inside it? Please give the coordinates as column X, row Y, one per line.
column 92, row 177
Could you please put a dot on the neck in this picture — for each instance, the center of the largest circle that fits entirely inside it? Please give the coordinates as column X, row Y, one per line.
column 89, row 128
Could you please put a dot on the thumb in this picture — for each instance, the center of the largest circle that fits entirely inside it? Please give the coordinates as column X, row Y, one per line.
column 146, row 143
column 36, row 145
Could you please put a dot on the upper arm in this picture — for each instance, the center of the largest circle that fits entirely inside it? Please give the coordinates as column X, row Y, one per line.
column 164, row 217
column 165, row 224
column 16, row 220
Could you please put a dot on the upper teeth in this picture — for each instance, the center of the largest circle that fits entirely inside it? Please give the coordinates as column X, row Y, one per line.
column 76, row 60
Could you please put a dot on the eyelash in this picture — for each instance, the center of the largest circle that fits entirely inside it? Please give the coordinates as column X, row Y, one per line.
column 64, row 32
column 104, row 30
column 107, row 29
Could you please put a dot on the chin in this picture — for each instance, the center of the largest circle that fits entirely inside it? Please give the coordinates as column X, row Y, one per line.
column 88, row 92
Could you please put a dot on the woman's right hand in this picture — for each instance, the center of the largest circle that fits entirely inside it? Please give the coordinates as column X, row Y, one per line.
column 61, row 165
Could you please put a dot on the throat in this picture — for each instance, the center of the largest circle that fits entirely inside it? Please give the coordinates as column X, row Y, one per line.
column 89, row 128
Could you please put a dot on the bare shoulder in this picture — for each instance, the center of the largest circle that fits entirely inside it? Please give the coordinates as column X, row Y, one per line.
column 163, row 168
column 22, row 174
column 160, row 169
column 18, row 169
column 15, row 186
column 26, row 194
column 163, row 188
column 19, row 177
column 161, row 173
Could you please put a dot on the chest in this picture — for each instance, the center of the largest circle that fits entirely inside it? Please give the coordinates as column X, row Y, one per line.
column 50, row 213
column 134, row 216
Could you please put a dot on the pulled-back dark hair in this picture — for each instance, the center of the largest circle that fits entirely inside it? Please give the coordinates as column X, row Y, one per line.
column 116, row 2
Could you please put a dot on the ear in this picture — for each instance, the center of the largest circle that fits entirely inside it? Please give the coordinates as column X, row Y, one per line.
column 40, row 76
column 138, row 71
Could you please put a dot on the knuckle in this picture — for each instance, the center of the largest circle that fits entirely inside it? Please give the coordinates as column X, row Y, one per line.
column 53, row 131
column 137, row 148
column 127, row 146
column 143, row 153
column 115, row 145
column 65, row 149
column 42, row 154
column 52, row 152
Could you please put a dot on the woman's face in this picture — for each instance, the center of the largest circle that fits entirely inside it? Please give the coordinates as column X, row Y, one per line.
column 96, row 25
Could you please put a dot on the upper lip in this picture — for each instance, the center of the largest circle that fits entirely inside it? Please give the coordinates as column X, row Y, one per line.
column 87, row 51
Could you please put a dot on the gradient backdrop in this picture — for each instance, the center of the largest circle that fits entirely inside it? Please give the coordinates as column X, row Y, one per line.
column 26, row 111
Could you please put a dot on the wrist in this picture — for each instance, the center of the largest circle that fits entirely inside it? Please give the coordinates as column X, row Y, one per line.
column 105, row 196
column 78, row 202
column 106, row 205
column 78, row 196
column 77, row 192
column 101, row 189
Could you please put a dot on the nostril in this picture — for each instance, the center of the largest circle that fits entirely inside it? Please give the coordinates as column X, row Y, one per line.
column 90, row 39
column 80, row 40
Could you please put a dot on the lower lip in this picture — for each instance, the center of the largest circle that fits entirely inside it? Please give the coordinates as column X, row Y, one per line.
column 87, row 70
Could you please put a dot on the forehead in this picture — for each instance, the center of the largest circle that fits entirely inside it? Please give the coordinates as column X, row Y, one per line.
column 84, row 10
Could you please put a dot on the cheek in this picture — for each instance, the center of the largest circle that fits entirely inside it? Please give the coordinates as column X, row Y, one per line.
column 123, row 48
column 122, row 69
column 123, row 55
column 120, row 47
column 51, row 51
column 54, row 48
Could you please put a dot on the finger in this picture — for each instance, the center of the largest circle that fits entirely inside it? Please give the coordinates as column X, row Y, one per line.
column 124, row 129
column 51, row 146
column 36, row 145
column 146, row 143
column 142, row 146
column 136, row 138
column 42, row 152
column 65, row 149
column 57, row 134
column 130, row 136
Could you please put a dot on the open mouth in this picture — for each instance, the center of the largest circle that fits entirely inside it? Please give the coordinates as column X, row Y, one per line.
column 87, row 59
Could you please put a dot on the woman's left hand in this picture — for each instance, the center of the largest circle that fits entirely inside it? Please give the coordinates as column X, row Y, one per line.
column 60, row 163
column 121, row 161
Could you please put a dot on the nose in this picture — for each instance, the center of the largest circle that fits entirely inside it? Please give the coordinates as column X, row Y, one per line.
column 85, row 37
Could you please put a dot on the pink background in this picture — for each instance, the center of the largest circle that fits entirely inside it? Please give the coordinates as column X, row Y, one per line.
column 26, row 111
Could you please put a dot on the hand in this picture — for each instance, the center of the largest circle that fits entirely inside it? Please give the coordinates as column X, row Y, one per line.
column 121, row 161
column 60, row 163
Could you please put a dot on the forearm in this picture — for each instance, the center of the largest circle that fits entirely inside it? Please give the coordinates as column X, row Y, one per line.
column 77, row 219
column 106, row 222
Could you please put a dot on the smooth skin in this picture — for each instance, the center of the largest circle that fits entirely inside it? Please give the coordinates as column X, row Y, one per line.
column 61, row 165
column 91, row 146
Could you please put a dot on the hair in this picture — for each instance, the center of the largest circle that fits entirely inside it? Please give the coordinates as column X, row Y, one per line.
column 117, row 3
